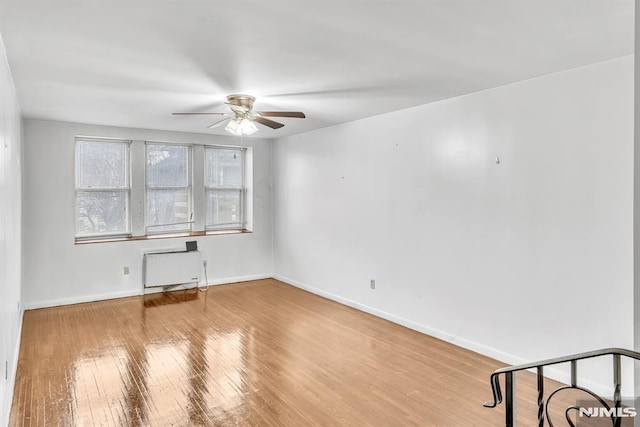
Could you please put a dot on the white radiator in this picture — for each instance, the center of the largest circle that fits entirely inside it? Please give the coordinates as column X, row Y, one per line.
column 172, row 268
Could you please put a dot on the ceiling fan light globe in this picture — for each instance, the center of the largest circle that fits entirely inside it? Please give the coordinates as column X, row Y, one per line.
column 233, row 127
column 247, row 127
column 241, row 127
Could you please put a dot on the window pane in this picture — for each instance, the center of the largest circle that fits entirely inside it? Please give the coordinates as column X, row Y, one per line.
column 101, row 165
column 167, row 165
column 167, row 208
column 224, row 207
column 223, row 167
column 102, row 212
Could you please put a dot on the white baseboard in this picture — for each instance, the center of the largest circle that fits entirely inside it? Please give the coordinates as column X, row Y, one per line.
column 80, row 299
column 133, row 292
column 240, row 279
column 507, row 358
column 11, row 383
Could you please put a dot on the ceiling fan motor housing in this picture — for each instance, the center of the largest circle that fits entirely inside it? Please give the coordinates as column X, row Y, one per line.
column 245, row 101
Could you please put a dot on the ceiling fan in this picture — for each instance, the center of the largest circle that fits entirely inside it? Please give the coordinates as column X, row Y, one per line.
column 241, row 118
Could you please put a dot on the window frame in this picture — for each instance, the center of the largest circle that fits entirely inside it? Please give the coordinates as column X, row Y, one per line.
column 136, row 188
column 242, row 224
column 189, row 188
column 79, row 140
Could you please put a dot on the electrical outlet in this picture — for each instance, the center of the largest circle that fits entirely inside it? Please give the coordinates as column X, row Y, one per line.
column 204, row 262
column 126, row 270
column 372, row 284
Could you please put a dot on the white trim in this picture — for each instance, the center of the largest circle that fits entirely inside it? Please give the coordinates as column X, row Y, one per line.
column 509, row 359
column 238, row 279
column 137, row 195
column 199, row 204
column 81, row 299
column 101, row 138
column 11, row 383
column 134, row 292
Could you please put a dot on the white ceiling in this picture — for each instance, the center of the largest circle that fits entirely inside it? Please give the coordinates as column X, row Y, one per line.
column 133, row 62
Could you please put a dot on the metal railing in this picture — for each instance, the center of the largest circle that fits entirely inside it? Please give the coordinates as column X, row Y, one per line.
column 543, row 406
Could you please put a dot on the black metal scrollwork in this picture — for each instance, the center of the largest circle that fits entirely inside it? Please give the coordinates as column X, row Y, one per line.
column 613, row 412
column 575, row 407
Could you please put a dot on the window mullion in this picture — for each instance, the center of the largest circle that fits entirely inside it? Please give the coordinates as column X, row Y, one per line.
column 243, row 204
column 138, row 199
column 198, row 188
column 224, row 188
column 166, row 187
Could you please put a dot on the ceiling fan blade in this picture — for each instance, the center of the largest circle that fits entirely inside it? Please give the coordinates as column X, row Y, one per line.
column 269, row 123
column 218, row 123
column 188, row 114
column 296, row 114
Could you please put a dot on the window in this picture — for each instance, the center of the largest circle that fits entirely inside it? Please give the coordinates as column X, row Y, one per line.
column 135, row 189
column 102, row 188
column 224, row 188
column 168, row 188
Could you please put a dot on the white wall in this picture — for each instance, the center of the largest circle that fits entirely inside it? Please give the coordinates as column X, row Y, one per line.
column 56, row 271
column 522, row 260
column 10, row 238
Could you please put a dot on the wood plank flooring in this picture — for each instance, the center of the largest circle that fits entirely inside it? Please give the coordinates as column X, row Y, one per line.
column 256, row 353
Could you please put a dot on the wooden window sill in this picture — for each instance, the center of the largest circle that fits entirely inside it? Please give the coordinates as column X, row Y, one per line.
column 160, row 236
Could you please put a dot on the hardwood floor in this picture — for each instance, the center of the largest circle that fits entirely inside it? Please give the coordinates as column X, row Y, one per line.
column 256, row 353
